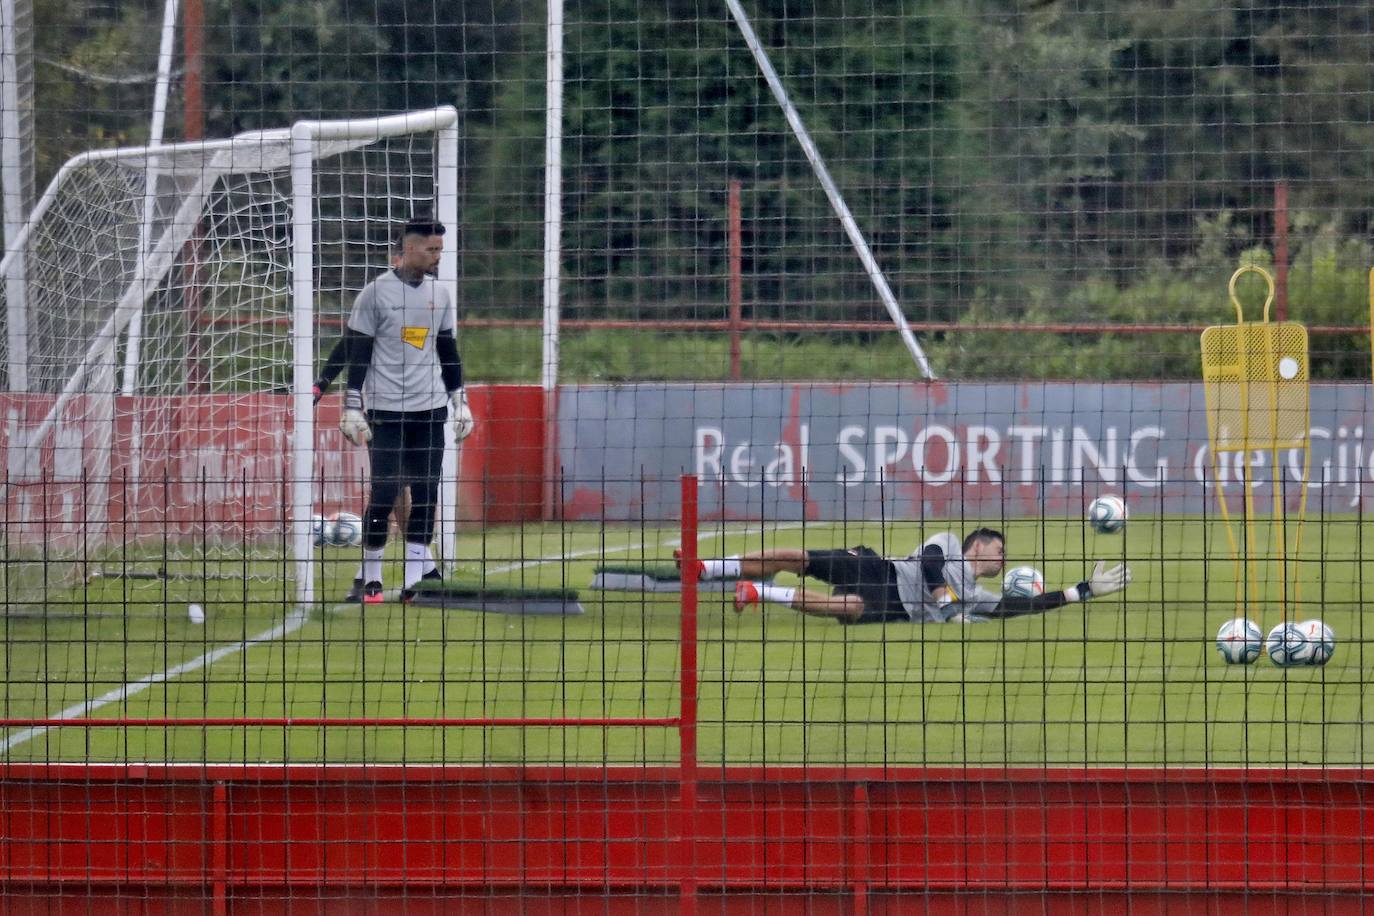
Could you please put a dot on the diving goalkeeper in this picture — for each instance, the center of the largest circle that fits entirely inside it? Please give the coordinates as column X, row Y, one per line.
column 936, row 584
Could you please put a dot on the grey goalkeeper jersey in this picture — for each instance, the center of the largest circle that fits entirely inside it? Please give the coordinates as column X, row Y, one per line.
column 969, row 597
column 403, row 321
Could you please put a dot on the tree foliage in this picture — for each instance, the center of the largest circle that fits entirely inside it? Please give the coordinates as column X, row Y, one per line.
column 1007, row 161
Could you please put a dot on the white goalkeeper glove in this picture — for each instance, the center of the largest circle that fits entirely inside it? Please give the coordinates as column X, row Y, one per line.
column 461, row 415
column 1105, row 581
column 352, row 423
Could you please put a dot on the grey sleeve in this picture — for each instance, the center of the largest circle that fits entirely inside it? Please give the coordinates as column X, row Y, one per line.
column 1014, row 606
column 363, row 318
column 446, row 320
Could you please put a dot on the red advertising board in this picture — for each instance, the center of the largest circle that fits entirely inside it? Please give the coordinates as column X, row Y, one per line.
column 132, row 468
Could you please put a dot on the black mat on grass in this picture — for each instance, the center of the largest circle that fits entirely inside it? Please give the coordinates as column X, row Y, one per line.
column 500, row 600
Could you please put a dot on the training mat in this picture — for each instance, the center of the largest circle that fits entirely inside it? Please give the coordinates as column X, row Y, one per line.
column 554, row 601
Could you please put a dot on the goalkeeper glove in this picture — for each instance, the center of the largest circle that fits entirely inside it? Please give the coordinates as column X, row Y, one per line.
column 352, row 423
column 319, row 388
column 463, row 422
column 1105, row 581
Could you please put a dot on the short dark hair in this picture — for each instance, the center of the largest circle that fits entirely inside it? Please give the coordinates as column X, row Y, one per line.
column 984, row 535
column 422, row 225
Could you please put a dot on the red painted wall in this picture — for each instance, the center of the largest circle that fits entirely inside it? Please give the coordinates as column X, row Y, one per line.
column 252, row 838
column 501, row 475
column 218, row 463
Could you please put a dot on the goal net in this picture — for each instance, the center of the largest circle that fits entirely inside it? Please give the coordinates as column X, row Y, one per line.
column 176, row 301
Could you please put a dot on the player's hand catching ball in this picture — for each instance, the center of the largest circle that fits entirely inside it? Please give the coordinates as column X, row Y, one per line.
column 463, row 423
column 1108, row 581
column 352, row 423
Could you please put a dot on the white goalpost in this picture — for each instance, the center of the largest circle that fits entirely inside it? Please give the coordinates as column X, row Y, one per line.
column 204, row 268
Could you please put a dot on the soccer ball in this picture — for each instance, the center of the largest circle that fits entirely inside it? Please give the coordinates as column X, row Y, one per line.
column 319, row 530
column 1321, row 642
column 1287, row 646
column 1107, row 514
column 1023, row 582
column 345, row 530
column 1240, row 641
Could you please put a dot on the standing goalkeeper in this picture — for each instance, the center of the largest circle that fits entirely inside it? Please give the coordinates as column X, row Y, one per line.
column 401, row 360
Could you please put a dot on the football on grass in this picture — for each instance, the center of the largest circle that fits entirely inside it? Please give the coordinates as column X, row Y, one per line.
column 344, row 530
column 1240, row 641
column 1321, row 642
column 1023, row 582
column 1287, row 646
column 319, row 530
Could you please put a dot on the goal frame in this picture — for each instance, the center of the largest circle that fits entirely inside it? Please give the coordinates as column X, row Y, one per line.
column 300, row 141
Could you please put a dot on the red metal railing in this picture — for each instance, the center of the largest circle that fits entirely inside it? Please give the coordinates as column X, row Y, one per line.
column 226, row 838
column 867, row 839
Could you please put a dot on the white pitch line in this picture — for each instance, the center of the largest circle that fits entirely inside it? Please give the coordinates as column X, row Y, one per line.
column 293, row 622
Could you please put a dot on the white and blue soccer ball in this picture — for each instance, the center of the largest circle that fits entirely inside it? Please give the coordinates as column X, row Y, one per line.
column 344, row 530
column 319, row 530
column 1287, row 646
column 1107, row 514
column 1023, row 582
column 1321, row 641
column 1240, row 641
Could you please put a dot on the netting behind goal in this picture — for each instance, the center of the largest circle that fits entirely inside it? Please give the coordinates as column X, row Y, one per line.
column 172, row 294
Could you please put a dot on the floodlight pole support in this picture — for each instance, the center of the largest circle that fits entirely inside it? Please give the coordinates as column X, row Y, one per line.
column 813, row 155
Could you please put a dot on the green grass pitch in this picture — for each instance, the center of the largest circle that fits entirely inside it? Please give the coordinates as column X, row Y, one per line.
column 1122, row 680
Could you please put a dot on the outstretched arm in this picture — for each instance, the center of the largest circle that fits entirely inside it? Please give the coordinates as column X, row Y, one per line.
column 1102, row 582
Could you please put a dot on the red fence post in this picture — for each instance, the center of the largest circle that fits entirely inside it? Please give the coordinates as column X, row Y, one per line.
column 687, row 727
column 858, row 853
column 219, row 848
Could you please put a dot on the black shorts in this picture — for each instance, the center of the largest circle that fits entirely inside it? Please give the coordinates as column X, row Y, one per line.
column 860, row 571
column 407, row 447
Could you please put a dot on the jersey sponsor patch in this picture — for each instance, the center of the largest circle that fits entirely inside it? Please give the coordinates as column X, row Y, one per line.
column 415, row 336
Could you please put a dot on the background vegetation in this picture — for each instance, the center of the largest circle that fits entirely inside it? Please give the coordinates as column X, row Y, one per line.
column 1010, row 161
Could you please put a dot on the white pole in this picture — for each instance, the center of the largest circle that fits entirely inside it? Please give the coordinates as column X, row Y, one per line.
column 553, row 231
column 134, row 337
column 303, row 355
column 837, row 203
column 446, row 190
column 12, row 203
